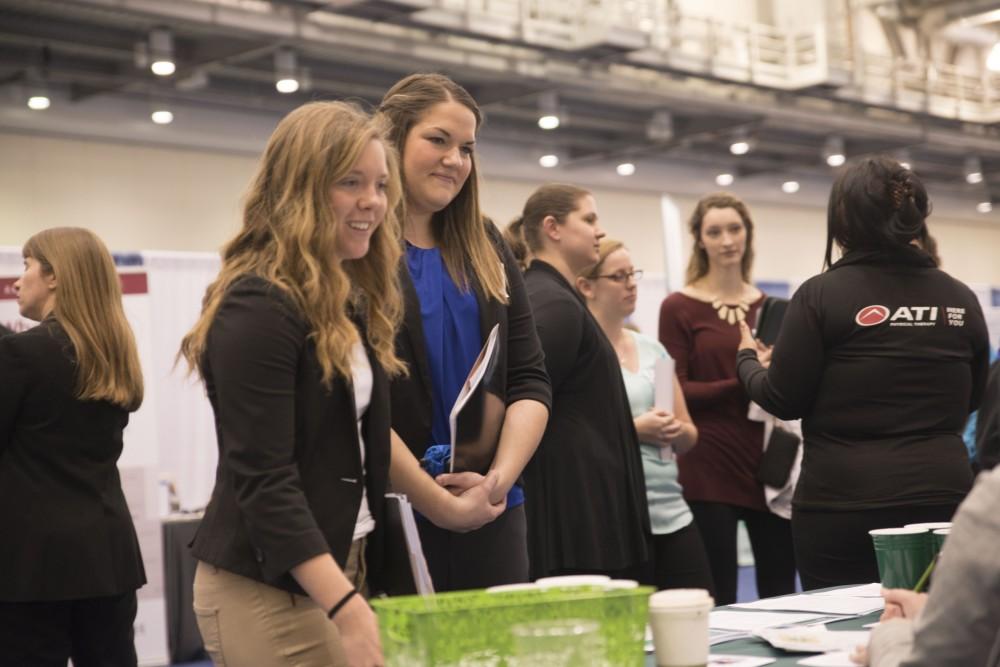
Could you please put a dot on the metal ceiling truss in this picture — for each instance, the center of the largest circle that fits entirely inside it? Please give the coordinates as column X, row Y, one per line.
column 613, row 65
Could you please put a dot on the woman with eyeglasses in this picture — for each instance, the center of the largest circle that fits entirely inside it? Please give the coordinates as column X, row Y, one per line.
column 585, row 491
column 699, row 328
column 678, row 558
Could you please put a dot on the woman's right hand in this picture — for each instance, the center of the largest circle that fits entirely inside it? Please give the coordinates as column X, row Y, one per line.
column 358, row 628
column 902, row 603
column 657, row 427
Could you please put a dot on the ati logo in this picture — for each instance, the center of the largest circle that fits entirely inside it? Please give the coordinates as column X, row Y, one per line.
column 869, row 316
column 904, row 316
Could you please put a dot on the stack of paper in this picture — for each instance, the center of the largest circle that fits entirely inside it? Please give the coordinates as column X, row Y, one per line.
column 748, row 621
column 820, row 603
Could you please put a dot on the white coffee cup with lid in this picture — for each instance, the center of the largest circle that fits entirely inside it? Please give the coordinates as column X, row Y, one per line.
column 679, row 620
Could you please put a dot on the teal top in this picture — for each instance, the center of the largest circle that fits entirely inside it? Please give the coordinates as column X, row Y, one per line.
column 667, row 510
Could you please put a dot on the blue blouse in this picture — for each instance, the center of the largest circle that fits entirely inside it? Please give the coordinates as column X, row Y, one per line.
column 452, row 338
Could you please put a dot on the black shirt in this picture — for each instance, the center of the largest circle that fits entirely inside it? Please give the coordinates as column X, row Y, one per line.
column 883, row 357
column 585, row 493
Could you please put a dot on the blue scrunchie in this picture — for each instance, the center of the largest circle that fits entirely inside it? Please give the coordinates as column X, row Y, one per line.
column 437, row 460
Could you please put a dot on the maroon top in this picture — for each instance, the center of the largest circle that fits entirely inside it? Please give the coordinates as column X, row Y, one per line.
column 721, row 467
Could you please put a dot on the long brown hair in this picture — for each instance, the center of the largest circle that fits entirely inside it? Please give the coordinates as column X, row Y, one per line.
column 698, row 264
column 524, row 233
column 88, row 306
column 289, row 239
column 459, row 227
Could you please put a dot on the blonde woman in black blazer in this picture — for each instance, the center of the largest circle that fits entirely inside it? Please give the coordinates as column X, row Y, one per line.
column 70, row 562
column 294, row 343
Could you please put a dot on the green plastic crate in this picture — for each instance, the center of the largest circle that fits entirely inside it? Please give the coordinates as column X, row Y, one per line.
column 474, row 628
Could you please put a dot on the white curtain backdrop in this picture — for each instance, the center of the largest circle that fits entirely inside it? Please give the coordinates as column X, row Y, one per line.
column 186, row 439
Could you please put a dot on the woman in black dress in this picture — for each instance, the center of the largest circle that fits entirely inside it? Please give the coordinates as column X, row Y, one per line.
column 585, row 491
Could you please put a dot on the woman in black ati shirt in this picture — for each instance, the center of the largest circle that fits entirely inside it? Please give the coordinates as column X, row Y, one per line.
column 883, row 356
column 585, row 493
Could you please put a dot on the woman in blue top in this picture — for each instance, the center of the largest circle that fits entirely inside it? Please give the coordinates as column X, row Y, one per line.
column 459, row 280
column 678, row 557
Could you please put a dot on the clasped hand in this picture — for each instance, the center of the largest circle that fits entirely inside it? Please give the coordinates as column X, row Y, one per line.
column 478, row 499
column 658, row 427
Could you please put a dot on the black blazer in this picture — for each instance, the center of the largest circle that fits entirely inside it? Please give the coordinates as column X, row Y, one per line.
column 521, row 365
column 67, row 529
column 585, row 492
column 289, row 479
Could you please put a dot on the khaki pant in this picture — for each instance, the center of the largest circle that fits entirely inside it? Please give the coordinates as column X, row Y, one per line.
column 245, row 623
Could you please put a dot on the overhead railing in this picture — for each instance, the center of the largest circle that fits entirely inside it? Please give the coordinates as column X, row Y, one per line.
column 648, row 33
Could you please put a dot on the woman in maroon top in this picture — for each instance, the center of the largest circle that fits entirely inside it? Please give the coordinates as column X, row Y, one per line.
column 699, row 328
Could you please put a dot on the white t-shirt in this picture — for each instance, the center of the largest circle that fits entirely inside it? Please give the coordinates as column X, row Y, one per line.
column 361, row 371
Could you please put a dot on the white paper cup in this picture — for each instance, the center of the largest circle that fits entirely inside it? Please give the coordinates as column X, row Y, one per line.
column 679, row 620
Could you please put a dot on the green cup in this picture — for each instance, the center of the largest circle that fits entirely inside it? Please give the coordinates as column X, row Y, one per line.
column 939, row 536
column 903, row 554
column 931, row 527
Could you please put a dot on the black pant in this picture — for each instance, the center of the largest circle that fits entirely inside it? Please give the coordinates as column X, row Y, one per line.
column 94, row 632
column 835, row 549
column 770, row 539
column 495, row 554
column 678, row 561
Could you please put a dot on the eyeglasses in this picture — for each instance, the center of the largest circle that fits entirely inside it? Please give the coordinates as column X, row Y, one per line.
column 623, row 276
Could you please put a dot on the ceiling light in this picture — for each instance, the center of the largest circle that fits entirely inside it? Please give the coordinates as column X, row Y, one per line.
column 905, row 160
column 163, row 67
column 286, row 71
column 549, row 122
column 973, row 170
column 984, row 207
column 39, row 102
column 833, row 151
column 625, row 169
column 724, row 180
column 548, row 109
column 993, row 60
column 161, row 52
column 287, row 85
column 549, row 160
column 740, row 147
column 790, row 187
column 162, row 117
column 742, row 143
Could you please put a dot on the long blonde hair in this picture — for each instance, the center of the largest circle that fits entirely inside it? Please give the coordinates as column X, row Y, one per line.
column 289, row 238
column 461, row 226
column 88, row 306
